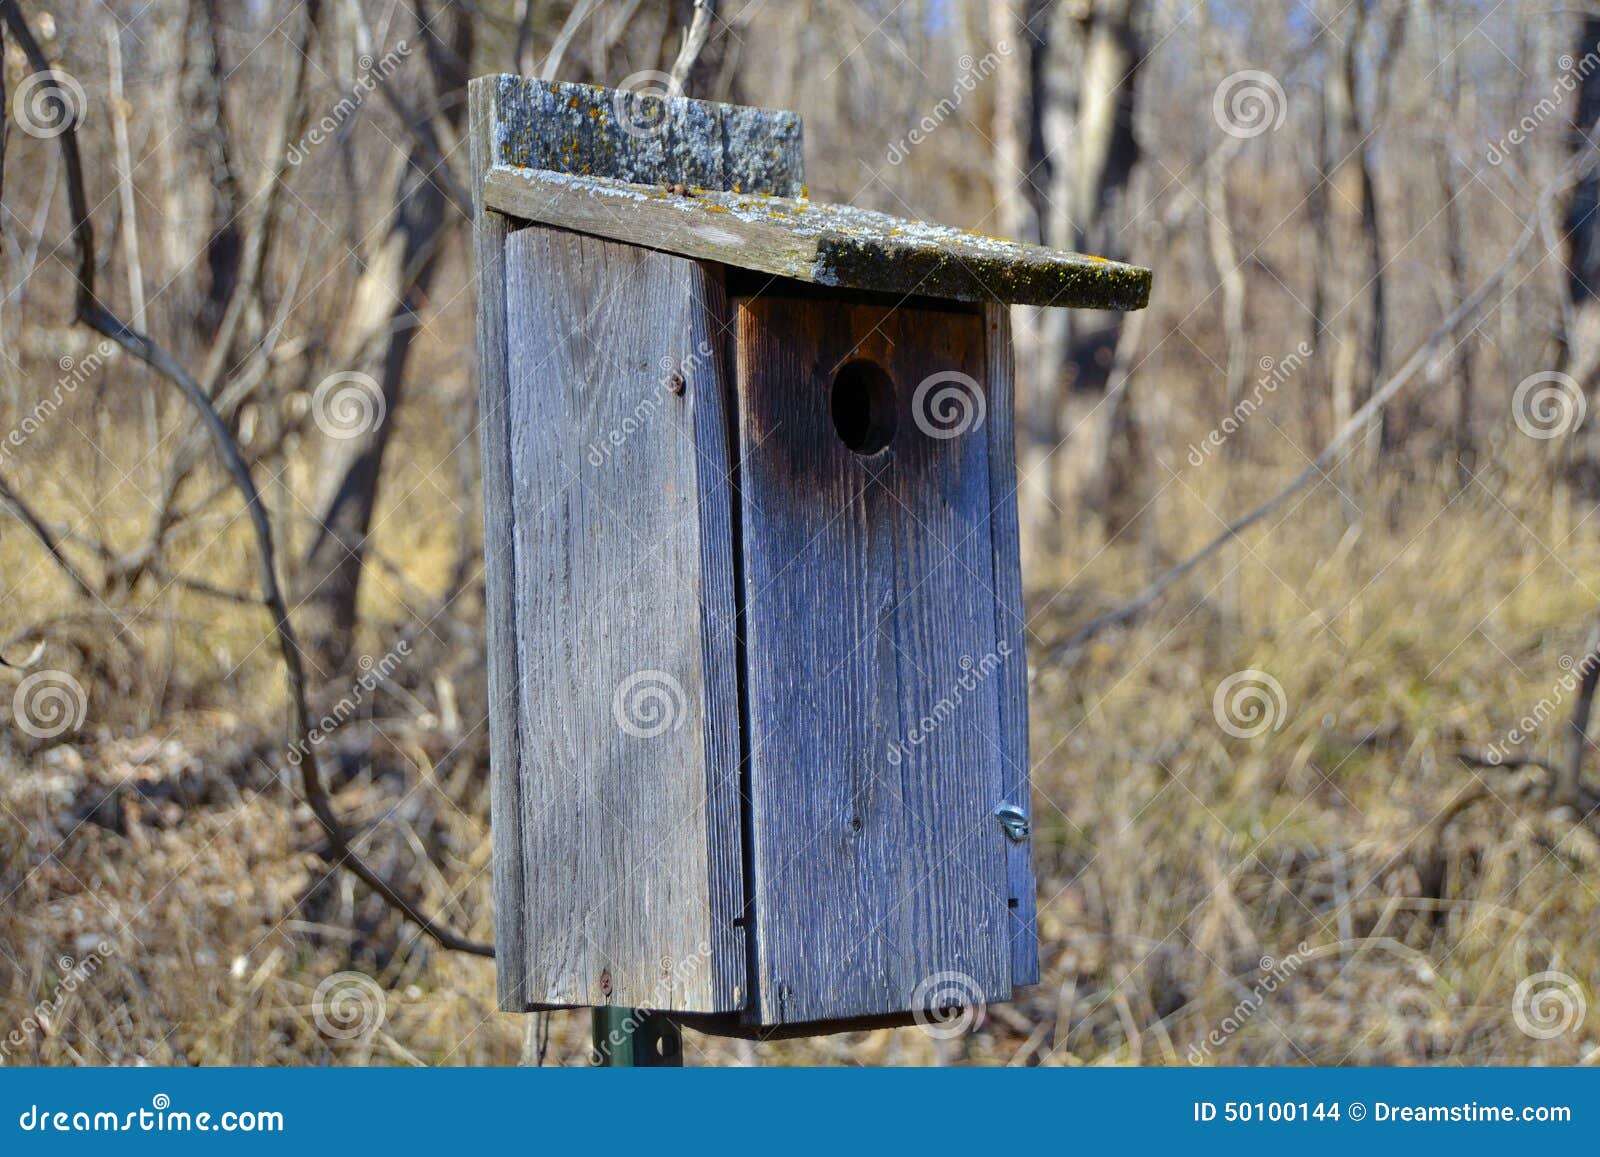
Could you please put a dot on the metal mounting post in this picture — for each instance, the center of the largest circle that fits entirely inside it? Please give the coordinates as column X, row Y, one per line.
column 635, row 1038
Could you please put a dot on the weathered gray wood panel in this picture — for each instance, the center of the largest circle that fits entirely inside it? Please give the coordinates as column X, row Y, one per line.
column 621, row 881
column 505, row 806
column 874, row 726
column 843, row 246
column 1011, row 628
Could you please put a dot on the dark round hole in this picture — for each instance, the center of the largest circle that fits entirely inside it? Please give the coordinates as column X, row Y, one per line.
column 863, row 407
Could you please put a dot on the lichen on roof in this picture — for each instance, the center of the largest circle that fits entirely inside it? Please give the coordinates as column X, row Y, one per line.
column 645, row 136
column 845, row 246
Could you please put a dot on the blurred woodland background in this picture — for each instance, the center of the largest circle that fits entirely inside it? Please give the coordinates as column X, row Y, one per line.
column 1318, row 795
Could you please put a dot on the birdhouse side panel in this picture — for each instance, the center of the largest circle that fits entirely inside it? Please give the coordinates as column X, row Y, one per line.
column 616, row 839
column 1011, row 628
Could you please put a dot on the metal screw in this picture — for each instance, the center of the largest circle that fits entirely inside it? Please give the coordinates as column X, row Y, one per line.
column 605, row 982
column 1013, row 821
column 676, row 384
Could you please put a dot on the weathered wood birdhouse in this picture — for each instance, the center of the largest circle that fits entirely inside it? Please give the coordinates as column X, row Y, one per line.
column 759, row 692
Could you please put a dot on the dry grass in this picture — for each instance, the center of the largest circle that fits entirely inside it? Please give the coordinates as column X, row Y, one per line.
column 1173, row 857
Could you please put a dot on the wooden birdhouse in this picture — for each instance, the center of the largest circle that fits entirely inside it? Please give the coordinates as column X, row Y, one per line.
column 756, row 635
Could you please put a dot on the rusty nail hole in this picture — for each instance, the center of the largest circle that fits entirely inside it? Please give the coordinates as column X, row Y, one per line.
column 605, row 981
column 676, row 384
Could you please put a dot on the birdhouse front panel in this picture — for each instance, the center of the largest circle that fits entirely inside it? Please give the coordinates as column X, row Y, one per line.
column 876, row 755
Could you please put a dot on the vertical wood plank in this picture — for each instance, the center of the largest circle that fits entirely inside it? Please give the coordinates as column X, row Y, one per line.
column 505, row 807
column 870, row 641
column 624, row 880
column 1011, row 627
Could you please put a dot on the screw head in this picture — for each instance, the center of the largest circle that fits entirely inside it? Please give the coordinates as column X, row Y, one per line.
column 1013, row 821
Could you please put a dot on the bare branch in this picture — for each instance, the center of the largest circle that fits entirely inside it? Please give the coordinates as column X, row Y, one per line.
column 694, row 41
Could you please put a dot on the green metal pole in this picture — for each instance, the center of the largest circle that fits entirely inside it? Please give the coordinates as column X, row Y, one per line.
column 635, row 1038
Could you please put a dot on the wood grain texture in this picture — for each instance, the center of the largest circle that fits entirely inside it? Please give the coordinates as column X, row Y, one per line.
column 1011, row 627
column 873, row 706
column 643, row 136
column 621, row 884
column 836, row 245
column 489, row 232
